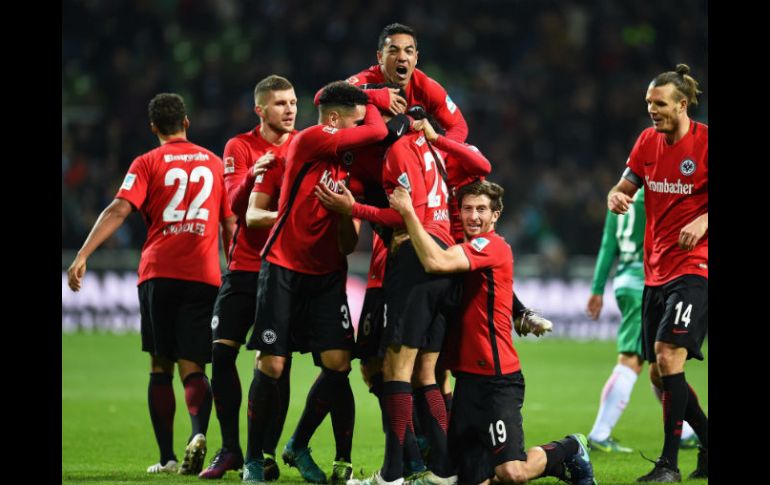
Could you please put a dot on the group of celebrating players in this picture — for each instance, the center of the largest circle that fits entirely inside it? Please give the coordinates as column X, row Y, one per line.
column 389, row 149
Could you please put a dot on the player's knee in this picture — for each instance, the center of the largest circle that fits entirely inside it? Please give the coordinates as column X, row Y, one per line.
column 512, row 472
column 222, row 353
column 271, row 365
column 631, row 360
column 336, row 360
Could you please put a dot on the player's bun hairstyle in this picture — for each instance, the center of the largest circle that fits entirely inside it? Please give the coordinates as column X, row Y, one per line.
column 341, row 94
column 393, row 29
column 483, row 187
column 270, row 83
column 167, row 112
column 686, row 86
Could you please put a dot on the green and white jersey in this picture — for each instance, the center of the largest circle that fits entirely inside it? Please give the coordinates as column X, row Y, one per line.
column 623, row 238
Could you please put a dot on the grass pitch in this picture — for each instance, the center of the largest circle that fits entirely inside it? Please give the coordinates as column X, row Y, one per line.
column 107, row 437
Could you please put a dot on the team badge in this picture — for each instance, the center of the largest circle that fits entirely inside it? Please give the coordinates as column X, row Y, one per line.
column 450, row 104
column 215, row 322
column 403, row 180
column 128, row 182
column 687, row 167
column 330, row 130
column 479, row 243
column 269, row 336
column 347, row 158
column 229, row 165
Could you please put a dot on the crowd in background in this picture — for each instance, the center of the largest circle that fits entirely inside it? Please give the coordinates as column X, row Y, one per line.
column 553, row 92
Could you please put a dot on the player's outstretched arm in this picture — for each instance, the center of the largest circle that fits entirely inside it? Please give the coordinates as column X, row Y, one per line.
column 108, row 222
column 433, row 258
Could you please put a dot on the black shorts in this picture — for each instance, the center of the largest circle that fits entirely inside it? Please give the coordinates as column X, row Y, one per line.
column 298, row 312
column 235, row 306
column 416, row 302
column 370, row 325
column 486, row 424
column 677, row 313
column 176, row 318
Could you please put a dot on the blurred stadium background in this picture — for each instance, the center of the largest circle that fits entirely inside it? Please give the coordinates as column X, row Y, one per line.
column 552, row 93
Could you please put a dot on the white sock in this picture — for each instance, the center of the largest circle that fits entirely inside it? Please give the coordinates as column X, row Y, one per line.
column 687, row 431
column 615, row 397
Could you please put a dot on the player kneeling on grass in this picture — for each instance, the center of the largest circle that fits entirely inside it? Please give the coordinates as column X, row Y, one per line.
column 485, row 431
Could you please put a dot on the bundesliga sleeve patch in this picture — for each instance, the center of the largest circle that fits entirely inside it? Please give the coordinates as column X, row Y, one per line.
column 479, row 243
column 330, row 130
column 128, row 182
column 403, row 180
column 352, row 80
column 229, row 165
column 450, row 104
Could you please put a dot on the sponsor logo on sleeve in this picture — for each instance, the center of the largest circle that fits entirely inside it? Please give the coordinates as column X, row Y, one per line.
column 330, row 130
column 229, row 165
column 128, row 182
column 420, row 141
column 450, row 104
column 687, row 167
column 259, row 178
column 352, row 80
column 403, row 180
column 479, row 243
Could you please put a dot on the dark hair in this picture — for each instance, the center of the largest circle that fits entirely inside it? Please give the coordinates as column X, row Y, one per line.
column 393, row 29
column 341, row 94
column 167, row 112
column 686, row 86
column 271, row 83
column 483, row 187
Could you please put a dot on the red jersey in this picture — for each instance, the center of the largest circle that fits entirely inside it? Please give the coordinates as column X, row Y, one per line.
column 366, row 184
column 675, row 179
column 482, row 343
column 464, row 165
column 241, row 153
column 421, row 90
column 304, row 237
column 180, row 192
column 411, row 164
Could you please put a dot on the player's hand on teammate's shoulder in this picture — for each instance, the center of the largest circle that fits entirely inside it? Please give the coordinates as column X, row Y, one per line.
column 400, row 200
column 397, row 103
column 262, row 163
column 427, row 129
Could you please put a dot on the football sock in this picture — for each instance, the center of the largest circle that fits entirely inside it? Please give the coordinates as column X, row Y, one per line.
column 675, row 393
column 555, row 454
column 694, row 414
column 160, row 397
column 275, row 427
column 343, row 412
column 614, row 398
column 226, row 387
column 264, row 399
column 432, row 412
column 397, row 396
column 197, row 395
column 687, row 430
column 317, row 406
column 448, row 403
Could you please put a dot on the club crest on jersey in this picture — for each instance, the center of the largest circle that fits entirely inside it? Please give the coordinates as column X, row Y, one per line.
column 128, row 182
column 347, row 158
column 330, row 130
column 229, row 165
column 269, row 336
column 450, row 104
column 479, row 243
column 687, row 167
column 215, row 322
column 403, row 180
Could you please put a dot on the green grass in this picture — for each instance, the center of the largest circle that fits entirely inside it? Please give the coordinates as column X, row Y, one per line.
column 107, row 437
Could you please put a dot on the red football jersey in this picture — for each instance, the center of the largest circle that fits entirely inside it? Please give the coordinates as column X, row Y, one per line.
column 366, row 185
column 241, row 153
column 482, row 343
column 304, row 238
column 464, row 165
column 422, row 179
column 675, row 179
column 180, row 192
column 424, row 91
